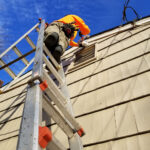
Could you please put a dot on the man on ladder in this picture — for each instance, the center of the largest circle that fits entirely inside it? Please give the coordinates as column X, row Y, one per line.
column 61, row 33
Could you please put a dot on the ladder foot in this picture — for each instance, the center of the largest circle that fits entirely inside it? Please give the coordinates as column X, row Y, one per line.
column 81, row 132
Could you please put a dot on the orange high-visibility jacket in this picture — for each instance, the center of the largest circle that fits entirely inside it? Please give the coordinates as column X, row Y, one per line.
column 79, row 23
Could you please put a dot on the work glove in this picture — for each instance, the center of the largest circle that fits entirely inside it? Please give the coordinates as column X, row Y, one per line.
column 83, row 44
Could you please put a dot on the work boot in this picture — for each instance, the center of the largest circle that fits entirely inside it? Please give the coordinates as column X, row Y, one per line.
column 51, row 40
column 57, row 53
column 57, row 56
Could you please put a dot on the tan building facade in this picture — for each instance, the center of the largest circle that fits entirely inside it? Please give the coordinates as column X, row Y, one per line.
column 109, row 85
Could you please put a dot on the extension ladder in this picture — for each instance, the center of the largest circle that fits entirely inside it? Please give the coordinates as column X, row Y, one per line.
column 44, row 93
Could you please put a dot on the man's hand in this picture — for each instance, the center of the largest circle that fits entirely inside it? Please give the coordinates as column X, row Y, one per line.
column 83, row 44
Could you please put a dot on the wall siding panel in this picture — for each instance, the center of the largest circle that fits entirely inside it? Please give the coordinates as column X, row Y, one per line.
column 111, row 61
column 141, row 110
column 9, row 144
column 10, row 129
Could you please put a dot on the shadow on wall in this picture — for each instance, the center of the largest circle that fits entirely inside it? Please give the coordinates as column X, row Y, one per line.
column 12, row 112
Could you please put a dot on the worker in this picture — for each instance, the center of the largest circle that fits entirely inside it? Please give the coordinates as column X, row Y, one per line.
column 61, row 33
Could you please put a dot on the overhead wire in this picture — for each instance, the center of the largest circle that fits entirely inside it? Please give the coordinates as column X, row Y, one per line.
column 124, row 13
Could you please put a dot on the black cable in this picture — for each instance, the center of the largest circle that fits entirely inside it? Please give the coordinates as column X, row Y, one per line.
column 137, row 15
column 124, row 16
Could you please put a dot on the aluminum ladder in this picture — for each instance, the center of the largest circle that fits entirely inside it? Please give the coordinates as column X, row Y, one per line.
column 44, row 93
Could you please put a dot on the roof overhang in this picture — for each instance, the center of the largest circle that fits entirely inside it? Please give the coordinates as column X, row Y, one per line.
column 112, row 31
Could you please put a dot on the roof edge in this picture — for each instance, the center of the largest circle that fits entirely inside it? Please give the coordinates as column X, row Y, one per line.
column 94, row 37
column 130, row 22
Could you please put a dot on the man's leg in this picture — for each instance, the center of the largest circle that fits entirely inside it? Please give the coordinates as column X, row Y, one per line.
column 51, row 40
column 51, row 36
column 57, row 53
column 61, row 47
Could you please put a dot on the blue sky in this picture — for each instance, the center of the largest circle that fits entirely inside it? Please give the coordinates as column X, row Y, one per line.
column 18, row 16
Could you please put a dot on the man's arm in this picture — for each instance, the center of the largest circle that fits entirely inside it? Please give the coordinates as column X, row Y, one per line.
column 72, row 43
column 83, row 27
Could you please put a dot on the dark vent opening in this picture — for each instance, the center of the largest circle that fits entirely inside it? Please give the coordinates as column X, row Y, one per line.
column 85, row 54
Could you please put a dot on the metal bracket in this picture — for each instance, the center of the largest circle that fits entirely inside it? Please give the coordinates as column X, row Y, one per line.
column 32, row 82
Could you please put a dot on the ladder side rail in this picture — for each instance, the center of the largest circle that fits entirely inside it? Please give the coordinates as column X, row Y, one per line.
column 52, row 69
column 75, row 142
column 28, row 137
column 32, row 116
column 57, row 117
column 38, row 63
column 17, row 51
column 64, row 89
column 8, row 70
column 48, row 53
column 51, row 91
column 16, row 78
column 22, row 37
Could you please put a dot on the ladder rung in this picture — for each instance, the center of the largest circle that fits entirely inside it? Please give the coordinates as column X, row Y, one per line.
column 20, row 73
column 55, row 145
column 52, row 69
column 7, row 69
column 50, row 56
column 54, row 93
column 14, row 44
column 30, row 42
column 19, row 58
column 16, row 50
column 37, row 29
column 54, row 87
column 61, row 122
